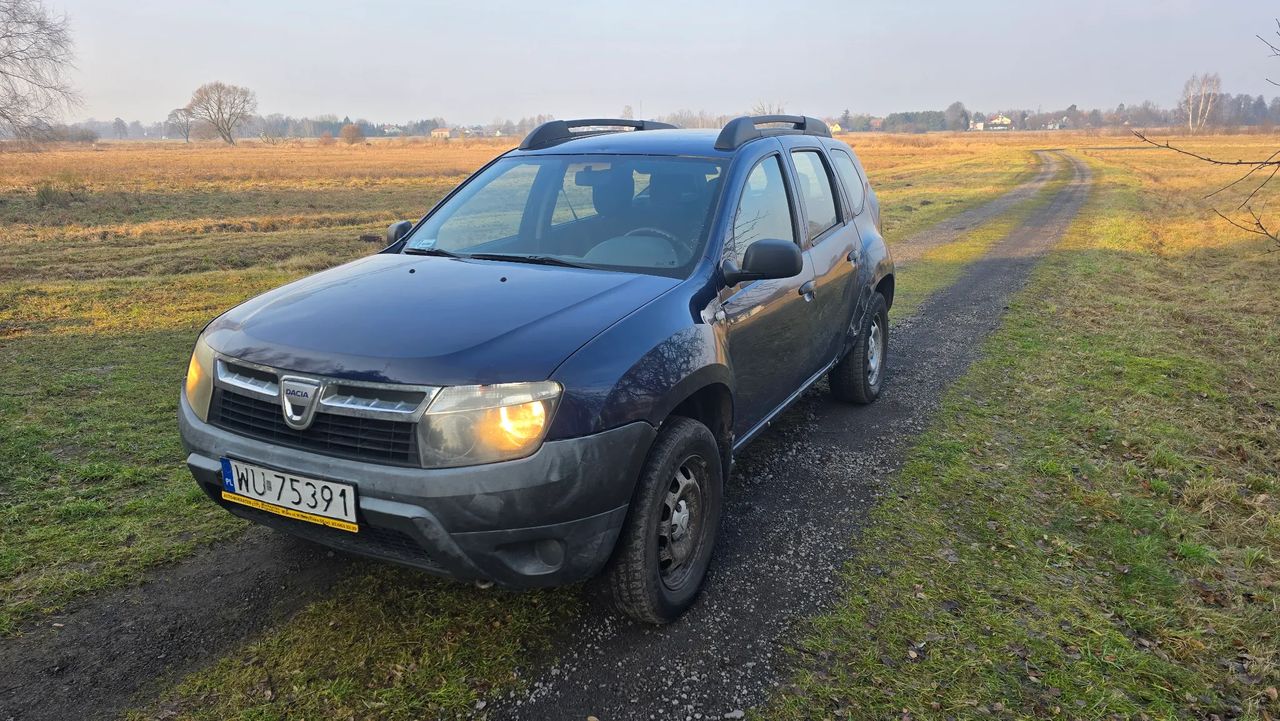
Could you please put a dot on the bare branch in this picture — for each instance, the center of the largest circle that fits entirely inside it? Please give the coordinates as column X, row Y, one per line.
column 1257, row 227
column 1141, row 136
column 35, row 55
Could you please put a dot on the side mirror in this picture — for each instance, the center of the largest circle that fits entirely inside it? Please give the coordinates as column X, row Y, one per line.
column 764, row 260
column 396, row 231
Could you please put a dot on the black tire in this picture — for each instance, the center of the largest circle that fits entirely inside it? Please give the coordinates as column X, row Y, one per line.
column 642, row 579
column 854, row 379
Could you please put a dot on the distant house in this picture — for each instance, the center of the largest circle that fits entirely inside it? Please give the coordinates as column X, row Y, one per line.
column 442, row 133
column 391, row 130
column 999, row 122
column 977, row 125
column 835, row 128
column 876, row 123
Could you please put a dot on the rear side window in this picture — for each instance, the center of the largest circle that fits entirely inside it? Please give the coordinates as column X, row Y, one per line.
column 764, row 211
column 851, row 177
column 815, row 191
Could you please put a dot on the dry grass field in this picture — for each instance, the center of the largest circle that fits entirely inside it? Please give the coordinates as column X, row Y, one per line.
column 1090, row 530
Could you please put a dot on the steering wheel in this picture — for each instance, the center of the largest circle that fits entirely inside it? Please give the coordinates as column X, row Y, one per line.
column 671, row 239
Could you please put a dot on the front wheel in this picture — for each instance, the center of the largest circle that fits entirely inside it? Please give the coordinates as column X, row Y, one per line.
column 665, row 546
column 859, row 376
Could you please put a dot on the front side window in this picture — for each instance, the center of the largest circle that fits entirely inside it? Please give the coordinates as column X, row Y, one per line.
column 815, row 192
column 492, row 210
column 764, row 210
column 637, row 213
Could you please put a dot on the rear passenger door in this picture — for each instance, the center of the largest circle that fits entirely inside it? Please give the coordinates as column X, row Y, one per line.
column 833, row 247
column 855, row 190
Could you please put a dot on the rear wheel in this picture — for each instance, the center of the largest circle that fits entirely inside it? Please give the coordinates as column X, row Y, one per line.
column 665, row 546
column 859, row 376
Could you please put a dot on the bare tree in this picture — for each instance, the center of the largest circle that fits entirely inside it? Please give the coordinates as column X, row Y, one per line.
column 35, row 55
column 223, row 107
column 1259, row 174
column 180, row 120
column 1198, row 95
column 763, row 108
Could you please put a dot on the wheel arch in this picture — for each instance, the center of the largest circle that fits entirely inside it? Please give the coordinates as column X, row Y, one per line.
column 706, row 397
column 885, row 287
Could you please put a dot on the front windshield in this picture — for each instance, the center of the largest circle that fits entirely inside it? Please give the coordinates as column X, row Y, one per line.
column 639, row 213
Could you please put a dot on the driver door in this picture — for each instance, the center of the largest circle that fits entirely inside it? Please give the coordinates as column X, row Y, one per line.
column 768, row 322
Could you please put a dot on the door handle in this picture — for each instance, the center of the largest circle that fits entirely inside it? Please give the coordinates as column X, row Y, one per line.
column 806, row 290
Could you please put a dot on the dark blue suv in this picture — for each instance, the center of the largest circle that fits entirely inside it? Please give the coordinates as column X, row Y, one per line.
column 546, row 378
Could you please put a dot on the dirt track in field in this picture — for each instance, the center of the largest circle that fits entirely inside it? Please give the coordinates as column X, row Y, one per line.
column 796, row 500
column 948, row 231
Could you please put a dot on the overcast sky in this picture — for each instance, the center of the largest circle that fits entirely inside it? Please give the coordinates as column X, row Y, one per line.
column 480, row 60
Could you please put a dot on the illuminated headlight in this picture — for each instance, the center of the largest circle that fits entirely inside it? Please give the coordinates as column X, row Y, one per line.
column 200, row 379
column 468, row 425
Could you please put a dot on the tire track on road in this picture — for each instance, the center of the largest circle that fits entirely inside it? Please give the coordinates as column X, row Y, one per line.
column 909, row 249
column 793, row 508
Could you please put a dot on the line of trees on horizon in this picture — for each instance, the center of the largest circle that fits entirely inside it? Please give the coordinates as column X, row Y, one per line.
column 1202, row 109
column 221, row 111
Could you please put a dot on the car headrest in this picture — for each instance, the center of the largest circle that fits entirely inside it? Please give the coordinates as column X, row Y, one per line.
column 612, row 192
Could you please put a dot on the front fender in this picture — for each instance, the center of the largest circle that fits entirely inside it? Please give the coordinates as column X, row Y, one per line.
column 639, row 369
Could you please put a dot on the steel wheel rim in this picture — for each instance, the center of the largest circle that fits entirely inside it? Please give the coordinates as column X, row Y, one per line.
column 681, row 522
column 875, row 352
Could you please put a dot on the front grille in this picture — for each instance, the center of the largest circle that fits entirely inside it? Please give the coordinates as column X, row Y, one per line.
column 384, row 543
column 361, row 439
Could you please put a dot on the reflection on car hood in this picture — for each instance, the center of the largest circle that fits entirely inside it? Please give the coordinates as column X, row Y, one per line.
column 430, row 320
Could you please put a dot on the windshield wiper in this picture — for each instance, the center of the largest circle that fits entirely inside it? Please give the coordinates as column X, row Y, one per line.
column 430, row 251
column 534, row 259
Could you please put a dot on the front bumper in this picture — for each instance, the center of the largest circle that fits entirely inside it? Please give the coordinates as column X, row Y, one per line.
column 545, row 520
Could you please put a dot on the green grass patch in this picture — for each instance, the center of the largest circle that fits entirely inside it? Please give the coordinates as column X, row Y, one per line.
column 92, row 488
column 1089, row 529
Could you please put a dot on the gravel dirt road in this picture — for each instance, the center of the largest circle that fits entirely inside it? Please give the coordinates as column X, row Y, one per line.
column 793, row 508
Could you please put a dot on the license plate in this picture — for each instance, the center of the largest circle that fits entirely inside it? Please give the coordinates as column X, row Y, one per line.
column 304, row 499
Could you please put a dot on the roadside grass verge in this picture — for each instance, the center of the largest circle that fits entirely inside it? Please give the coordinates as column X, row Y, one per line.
column 389, row 644
column 1091, row 527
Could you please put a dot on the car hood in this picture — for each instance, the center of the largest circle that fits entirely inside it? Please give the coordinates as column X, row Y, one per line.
column 431, row 320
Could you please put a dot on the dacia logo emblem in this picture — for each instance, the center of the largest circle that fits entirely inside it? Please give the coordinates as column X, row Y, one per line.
column 298, row 400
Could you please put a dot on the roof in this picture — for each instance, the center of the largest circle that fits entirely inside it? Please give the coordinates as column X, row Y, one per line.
column 639, row 142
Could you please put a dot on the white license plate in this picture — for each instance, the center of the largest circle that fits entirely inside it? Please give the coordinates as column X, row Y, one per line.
column 305, row 499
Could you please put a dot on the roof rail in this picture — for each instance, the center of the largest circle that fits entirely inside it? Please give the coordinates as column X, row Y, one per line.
column 742, row 130
column 558, row 131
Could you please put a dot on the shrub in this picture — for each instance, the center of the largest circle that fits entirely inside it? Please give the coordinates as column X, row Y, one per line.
column 48, row 194
column 351, row 134
column 326, row 138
